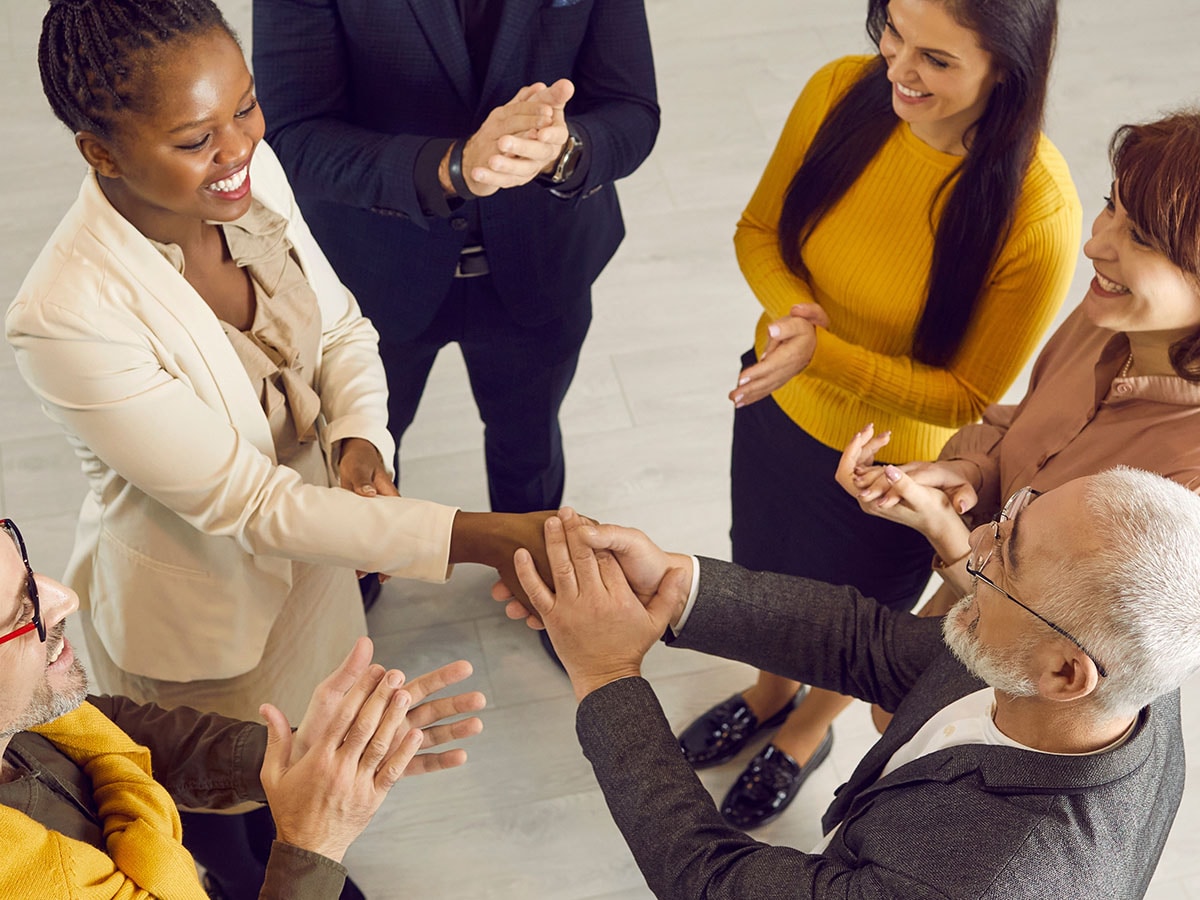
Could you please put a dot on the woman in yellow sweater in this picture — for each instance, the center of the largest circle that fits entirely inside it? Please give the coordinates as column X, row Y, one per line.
column 910, row 240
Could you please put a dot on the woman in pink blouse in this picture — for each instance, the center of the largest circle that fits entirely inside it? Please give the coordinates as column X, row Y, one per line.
column 1117, row 384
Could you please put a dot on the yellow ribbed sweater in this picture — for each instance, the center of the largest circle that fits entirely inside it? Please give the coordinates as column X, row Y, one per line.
column 143, row 857
column 869, row 260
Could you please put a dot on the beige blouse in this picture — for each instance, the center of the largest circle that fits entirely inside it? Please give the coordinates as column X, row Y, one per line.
column 1078, row 418
column 281, row 346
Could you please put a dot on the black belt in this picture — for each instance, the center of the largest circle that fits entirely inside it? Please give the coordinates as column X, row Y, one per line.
column 472, row 262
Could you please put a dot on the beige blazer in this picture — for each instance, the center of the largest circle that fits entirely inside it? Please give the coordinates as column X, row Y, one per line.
column 185, row 540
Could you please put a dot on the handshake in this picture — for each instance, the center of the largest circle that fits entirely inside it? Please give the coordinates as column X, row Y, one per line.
column 605, row 593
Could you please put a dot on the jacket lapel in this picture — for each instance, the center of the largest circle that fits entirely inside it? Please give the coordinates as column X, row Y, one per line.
column 444, row 34
column 510, row 37
column 168, row 289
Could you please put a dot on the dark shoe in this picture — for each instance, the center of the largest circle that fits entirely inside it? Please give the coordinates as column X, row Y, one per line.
column 369, row 586
column 769, row 784
column 549, row 648
column 720, row 734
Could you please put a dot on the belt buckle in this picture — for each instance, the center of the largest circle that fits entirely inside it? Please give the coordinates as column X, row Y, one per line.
column 468, row 253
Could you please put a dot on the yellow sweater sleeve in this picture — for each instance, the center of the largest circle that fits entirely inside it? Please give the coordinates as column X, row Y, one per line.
column 756, row 239
column 1018, row 306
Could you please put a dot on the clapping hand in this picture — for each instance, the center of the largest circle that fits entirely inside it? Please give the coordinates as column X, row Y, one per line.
column 360, row 735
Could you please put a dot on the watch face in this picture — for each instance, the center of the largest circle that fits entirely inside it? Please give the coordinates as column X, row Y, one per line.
column 568, row 161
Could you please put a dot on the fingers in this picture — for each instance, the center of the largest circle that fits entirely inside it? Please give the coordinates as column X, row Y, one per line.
column 789, row 327
column 547, row 145
column 586, row 570
column 428, row 714
column 963, row 498
column 442, row 677
column 382, row 718
column 851, row 459
column 558, row 94
column 424, row 763
column 341, row 679
column 392, row 770
column 364, row 709
column 383, row 484
column 616, row 538
column 811, row 312
column 558, row 555
column 540, row 596
column 436, row 735
column 526, row 92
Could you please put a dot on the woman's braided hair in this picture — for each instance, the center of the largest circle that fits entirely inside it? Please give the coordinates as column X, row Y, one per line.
column 90, row 51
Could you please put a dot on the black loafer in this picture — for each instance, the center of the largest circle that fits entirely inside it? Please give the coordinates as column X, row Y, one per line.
column 721, row 733
column 769, row 784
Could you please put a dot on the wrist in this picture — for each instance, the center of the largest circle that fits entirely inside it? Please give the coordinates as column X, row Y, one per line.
column 584, row 684
column 455, row 174
column 443, row 173
column 334, row 851
column 950, row 539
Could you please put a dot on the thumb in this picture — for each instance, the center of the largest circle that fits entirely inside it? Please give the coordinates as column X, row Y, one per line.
column 617, row 538
column 963, row 498
column 559, row 93
column 279, row 740
column 668, row 601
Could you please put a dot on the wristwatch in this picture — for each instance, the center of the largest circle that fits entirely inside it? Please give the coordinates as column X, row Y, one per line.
column 568, row 160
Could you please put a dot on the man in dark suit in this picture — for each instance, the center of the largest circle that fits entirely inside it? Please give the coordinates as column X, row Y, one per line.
column 1036, row 749
column 459, row 197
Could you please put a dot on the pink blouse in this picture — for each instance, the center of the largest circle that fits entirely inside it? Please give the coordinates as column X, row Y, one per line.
column 1078, row 418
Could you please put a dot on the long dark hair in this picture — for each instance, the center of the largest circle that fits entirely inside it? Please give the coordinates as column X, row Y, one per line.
column 1020, row 36
column 1155, row 166
column 90, row 52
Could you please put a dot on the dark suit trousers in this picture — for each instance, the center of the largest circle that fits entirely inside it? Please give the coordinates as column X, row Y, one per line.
column 519, row 377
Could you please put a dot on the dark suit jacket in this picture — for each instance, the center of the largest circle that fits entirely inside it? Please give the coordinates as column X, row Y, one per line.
column 353, row 89
column 971, row 821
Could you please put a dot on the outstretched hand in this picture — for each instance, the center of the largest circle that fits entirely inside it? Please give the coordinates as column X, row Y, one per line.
column 361, row 471
column 600, row 627
column 360, row 734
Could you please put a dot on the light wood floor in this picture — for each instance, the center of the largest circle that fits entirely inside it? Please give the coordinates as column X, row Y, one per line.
column 647, row 425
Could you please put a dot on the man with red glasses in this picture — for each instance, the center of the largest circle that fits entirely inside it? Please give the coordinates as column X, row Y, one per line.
column 82, row 815
column 1036, row 748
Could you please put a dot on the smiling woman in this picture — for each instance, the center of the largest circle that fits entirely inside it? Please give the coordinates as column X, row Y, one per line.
column 221, row 387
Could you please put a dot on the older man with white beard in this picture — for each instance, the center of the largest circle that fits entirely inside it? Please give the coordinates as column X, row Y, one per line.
column 1036, row 749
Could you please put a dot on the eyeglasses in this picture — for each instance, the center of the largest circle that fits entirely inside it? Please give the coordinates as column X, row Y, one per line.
column 981, row 555
column 30, row 587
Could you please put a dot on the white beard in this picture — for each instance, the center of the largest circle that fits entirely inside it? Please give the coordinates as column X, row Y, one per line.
column 1004, row 670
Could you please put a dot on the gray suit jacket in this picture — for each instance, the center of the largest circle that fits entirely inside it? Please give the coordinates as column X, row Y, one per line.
column 970, row 821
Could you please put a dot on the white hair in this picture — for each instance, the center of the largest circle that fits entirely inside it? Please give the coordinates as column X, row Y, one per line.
column 1135, row 603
